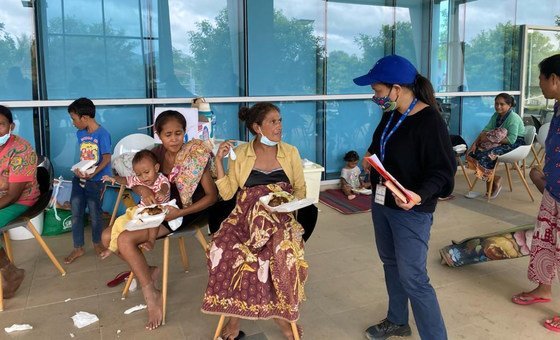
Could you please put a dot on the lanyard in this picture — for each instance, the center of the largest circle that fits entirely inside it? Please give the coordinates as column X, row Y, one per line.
column 385, row 136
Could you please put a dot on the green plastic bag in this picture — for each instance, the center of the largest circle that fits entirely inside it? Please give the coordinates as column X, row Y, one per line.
column 53, row 226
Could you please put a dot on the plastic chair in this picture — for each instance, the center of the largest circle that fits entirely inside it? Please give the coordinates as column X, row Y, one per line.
column 541, row 139
column 514, row 157
column 131, row 143
column 191, row 230
column 45, row 179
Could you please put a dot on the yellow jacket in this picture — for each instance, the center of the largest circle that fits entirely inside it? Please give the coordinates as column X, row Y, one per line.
column 240, row 169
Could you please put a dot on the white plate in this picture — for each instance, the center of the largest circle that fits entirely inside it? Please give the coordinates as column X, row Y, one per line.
column 145, row 222
column 286, row 207
column 362, row 191
column 140, row 222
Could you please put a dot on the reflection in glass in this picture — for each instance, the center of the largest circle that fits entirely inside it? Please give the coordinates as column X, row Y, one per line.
column 349, row 126
column 93, row 58
column 491, row 46
column 24, row 124
column 17, row 42
column 284, row 49
column 198, row 52
column 355, row 42
column 540, row 44
column 476, row 112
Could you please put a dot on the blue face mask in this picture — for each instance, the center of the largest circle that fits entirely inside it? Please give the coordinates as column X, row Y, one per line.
column 4, row 139
column 385, row 103
column 266, row 141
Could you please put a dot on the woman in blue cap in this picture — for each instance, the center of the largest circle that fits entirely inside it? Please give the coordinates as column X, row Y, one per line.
column 413, row 144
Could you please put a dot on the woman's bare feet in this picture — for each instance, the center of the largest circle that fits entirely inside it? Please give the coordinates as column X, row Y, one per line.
column 155, row 306
column 99, row 248
column 105, row 253
column 231, row 329
column 76, row 252
column 542, row 291
column 286, row 329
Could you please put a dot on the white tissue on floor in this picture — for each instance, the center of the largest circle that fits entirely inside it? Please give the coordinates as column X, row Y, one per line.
column 72, row 335
column 135, row 308
column 67, row 300
column 82, row 319
column 18, row 327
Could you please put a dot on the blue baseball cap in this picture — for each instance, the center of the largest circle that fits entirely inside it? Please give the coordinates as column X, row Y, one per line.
column 392, row 69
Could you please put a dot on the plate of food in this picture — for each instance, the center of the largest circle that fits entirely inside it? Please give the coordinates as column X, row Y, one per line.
column 362, row 191
column 283, row 201
column 150, row 216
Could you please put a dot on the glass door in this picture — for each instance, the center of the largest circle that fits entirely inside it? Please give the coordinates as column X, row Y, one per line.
column 538, row 43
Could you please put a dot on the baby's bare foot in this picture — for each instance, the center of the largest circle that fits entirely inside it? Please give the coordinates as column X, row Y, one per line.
column 105, row 253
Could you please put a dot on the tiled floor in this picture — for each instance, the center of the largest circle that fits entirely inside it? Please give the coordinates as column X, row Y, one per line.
column 345, row 292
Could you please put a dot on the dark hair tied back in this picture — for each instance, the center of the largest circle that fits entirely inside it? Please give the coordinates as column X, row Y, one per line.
column 351, row 156
column 256, row 114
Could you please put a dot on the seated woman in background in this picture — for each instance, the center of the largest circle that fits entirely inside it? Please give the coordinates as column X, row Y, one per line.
column 504, row 132
column 256, row 264
column 19, row 190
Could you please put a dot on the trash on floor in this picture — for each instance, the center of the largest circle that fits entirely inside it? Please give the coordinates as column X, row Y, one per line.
column 135, row 308
column 18, row 327
column 83, row 319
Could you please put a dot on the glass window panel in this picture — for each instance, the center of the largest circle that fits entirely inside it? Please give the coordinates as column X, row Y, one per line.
column 54, row 15
column 476, row 112
column 355, row 42
column 198, row 51
column 284, row 47
column 122, row 17
column 544, row 14
column 299, row 127
column 98, row 66
column 126, row 77
column 490, row 45
column 349, row 126
column 82, row 16
column 17, row 42
column 450, row 109
column 227, row 121
column 411, row 31
column 441, row 40
column 120, row 121
column 24, row 124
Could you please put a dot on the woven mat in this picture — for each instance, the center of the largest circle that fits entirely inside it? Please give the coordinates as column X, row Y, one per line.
column 336, row 199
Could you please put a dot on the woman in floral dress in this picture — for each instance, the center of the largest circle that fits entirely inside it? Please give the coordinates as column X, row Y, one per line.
column 255, row 263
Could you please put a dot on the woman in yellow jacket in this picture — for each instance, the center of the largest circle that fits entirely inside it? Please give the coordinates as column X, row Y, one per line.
column 255, row 262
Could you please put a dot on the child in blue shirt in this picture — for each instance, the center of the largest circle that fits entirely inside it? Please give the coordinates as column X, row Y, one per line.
column 95, row 144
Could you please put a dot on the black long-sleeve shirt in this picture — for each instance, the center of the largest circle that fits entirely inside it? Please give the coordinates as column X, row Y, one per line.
column 419, row 155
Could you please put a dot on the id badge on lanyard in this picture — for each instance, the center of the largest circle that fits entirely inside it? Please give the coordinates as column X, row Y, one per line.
column 380, row 191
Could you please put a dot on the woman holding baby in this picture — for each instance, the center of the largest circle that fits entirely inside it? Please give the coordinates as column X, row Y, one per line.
column 504, row 132
column 187, row 166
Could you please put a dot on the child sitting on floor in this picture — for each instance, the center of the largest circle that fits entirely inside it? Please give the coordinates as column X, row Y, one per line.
column 146, row 169
column 350, row 179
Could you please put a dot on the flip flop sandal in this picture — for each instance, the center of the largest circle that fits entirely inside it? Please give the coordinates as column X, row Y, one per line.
column 526, row 299
column 120, row 278
column 548, row 324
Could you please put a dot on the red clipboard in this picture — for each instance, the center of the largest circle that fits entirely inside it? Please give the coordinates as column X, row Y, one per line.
column 390, row 182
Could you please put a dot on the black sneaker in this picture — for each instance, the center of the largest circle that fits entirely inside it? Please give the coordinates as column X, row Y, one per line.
column 386, row 329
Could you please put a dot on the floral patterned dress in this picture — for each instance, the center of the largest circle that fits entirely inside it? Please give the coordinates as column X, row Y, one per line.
column 255, row 261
